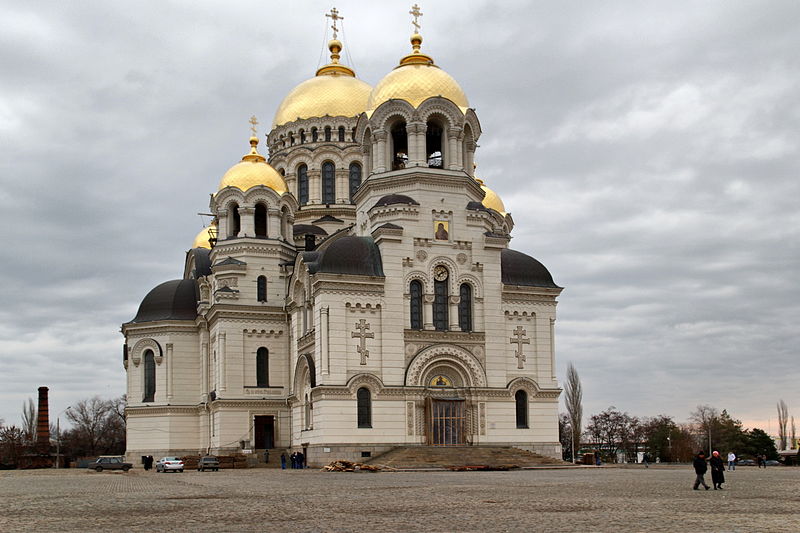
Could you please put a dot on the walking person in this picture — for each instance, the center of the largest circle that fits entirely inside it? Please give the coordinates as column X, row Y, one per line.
column 646, row 460
column 700, row 468
column 717, row 470
column 731, row 461
column 283, row 461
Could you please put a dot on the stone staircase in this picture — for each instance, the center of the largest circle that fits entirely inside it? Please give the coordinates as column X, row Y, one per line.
column 458, row 457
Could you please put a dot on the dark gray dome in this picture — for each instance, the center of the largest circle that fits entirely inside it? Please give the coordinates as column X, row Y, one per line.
column 303, row 229
column 521, row 269
column 357, row 256
column 390, row 199
column 172, row 300
column 202, row 261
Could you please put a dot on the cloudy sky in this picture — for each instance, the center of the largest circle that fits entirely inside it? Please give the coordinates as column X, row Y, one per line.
column 647, row 150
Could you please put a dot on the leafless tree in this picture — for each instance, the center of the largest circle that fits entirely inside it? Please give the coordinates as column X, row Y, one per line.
column 29, row 421
column 794, row 435
column 573, row 398
column 705, row 418
column 11, row 444
column 783, row 417
column 89, row 421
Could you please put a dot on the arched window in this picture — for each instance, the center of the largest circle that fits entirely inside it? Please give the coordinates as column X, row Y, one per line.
column 262, row 367
column 521, row 398
column 262, row 288
column 415, row 291
column 282, row 171
column 149, row 376
column 328, row 183
column 291, row 138
column 260, row 220
column 440, row 304
column 314, row 135
column 355, row 178
column 364, row 408
column 302, row 184
column 327, row 133
column 465, row 307
column 302, row 136
column 399, row 151
column 341, row 134
column 353, row 135
column 234, row 222
column 434, row 149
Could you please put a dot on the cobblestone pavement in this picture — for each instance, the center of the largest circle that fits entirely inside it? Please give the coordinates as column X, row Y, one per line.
column 587, row 499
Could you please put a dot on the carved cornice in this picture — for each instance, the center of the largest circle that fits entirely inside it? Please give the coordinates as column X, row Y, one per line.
column 307, row 341
column 449, row 337
column 149, row 410
column 163, row 327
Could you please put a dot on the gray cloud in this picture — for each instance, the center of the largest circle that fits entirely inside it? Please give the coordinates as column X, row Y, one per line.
column 648, row 153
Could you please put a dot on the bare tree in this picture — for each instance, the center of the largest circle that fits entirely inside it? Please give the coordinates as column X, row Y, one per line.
column 89, row 420
column 573, row 399
column 783, row 417
column 29, row 421
column 794, row 436
column 705, row 418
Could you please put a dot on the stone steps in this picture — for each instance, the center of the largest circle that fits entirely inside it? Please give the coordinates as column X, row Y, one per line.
column 447, row 457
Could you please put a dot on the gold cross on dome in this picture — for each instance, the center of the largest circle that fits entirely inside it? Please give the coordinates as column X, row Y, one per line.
column 253, row 123
column 334, row 16
column 417, row 13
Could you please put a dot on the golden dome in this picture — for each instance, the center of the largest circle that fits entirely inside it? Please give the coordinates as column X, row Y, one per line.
column 201, row 241
column 491, row 200
column 252, row 171
column 334, row 91
column 415, row 80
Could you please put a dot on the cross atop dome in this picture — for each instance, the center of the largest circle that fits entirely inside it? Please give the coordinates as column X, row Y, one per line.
column 416, row 13
column 253, row 123
column 334, row 16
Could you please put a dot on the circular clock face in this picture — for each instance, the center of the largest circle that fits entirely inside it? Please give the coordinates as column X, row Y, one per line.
column 440, row 273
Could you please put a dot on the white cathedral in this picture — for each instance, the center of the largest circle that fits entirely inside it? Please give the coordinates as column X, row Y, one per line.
column 355, row 292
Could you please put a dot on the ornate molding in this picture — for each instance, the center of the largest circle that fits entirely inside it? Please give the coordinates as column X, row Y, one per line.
column 445, row 353
column 138, row 350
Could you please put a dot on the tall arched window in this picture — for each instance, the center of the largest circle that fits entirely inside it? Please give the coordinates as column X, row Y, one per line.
column 521, row 398
column 440, row 304
column 465, row 307
column 234, row 221
column 328, row 183
column 149, row 376
column 327, row 133
column 341, row 134
column 434, row 148
column 364, row 408
column 261, row 288
column 415, row 291
column 260, row 220
column 262, row 367
column 302, row 184
column 355, row 178
column 314, row 135
column 399, row 153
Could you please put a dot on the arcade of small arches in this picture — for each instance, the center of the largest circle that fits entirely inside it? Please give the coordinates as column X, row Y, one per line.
column 434, row 308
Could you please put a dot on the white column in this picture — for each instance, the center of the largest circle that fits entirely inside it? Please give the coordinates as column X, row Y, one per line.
column 381, row 159
column 223, row 375
column 247, row 222
column 427, row 311
column 454, row 155
column 222, row 224
column 453, row 312
column 324, row 334
column 273, row 223
column 170, row 366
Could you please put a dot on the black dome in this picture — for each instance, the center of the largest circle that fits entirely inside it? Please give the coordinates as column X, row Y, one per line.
column 390, row 199
column 202, row 261
column 303, row 229
column 521, row 269
column 358, row 256
column 172, row 300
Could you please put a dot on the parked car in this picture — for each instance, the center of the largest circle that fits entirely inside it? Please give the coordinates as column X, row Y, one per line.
column 773, row 462
column 169, row 464
column 110, row 463
column 209, row 462
column 745, row 462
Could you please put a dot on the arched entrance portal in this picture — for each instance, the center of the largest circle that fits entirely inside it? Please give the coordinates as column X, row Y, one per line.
column 447, row 373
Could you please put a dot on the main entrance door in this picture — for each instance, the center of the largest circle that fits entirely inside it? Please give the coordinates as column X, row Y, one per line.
column 446, row 425
column 264, row 432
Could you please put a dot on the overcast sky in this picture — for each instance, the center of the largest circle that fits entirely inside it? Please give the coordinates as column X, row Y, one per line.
column 648, row 152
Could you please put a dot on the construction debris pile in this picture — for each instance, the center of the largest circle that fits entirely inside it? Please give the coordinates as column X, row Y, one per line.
column 349, row 466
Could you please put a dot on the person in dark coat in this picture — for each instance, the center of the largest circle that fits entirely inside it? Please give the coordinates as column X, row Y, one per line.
column 700, row 468
column 717, row 470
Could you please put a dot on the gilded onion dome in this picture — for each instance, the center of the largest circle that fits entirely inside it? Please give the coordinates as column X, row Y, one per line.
column 205, row 235
column 334, row 91
column 252, row 171
column 415, row 80
column 491, row 198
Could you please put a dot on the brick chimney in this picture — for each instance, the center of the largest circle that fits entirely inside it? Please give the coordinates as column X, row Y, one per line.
column 43, row 424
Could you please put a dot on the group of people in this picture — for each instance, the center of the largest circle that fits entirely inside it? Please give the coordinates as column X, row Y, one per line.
column 717, row 469
column 147, row 461
column 297, row 459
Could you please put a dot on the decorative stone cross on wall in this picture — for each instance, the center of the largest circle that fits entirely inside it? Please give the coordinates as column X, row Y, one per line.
column 518, row 339
column 362, row 326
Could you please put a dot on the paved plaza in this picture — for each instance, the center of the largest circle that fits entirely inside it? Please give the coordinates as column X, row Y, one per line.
column 585, row 499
